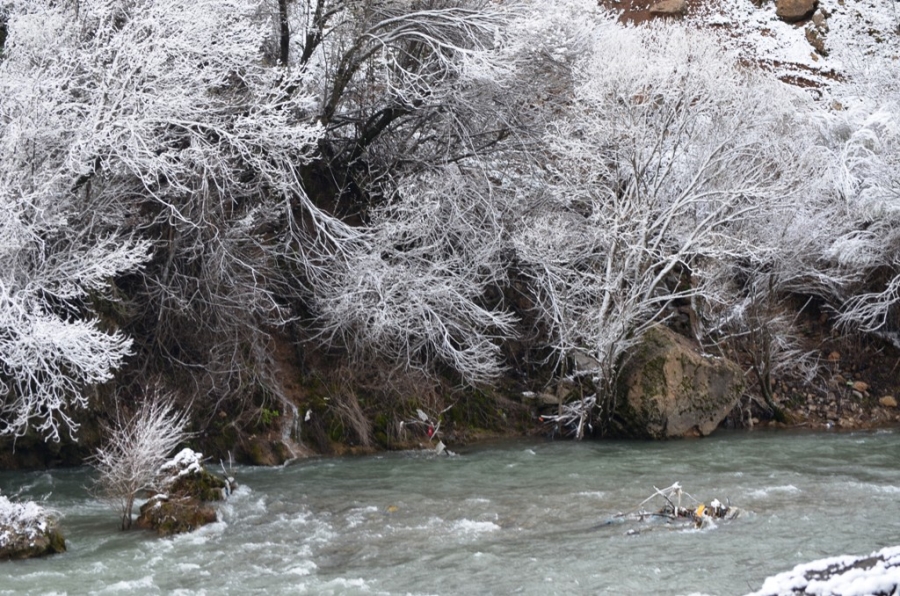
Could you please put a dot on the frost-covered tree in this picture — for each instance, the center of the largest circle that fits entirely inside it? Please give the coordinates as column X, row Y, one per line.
column 186, row 133
column 59, row 243
column 412, row 107
column 413, row 291
column 667, row 156
column 396, row 88
column 864, row 135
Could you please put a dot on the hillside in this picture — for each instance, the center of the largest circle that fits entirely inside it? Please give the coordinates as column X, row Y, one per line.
column 329, row 224
column 812, row 50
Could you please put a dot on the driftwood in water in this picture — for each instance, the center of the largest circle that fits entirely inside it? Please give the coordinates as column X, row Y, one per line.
column 671, row 511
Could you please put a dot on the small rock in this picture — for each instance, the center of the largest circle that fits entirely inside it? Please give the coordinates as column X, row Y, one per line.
column 820, row 20
column 669, row 8
column 857, row 394
column 860, row 386
column 834, row 357
column 817, row 40
column 888, row 401
column 791, row 11
column 584, row 362
column 189, row 488
column 564, row 389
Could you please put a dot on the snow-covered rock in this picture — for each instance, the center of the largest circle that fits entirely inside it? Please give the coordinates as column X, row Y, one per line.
column 169, row 515
column 28, row 530
column 189, row 489
column 873, row 575
column 186, row 477
column 186, row 462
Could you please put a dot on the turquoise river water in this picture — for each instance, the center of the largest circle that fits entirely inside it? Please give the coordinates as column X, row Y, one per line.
column 500, row 518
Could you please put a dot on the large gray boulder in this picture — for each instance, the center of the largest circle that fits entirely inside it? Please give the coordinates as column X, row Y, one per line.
column 792, row 11
column 668, row 389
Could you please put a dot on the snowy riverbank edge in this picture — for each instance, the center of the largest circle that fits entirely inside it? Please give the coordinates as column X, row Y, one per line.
column 874, row 574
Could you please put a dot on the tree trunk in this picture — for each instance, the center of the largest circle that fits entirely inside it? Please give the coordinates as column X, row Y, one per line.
column 126, row 514
column 284, row 40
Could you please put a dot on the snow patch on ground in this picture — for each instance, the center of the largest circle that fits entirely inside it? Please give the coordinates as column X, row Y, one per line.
column 856, row 31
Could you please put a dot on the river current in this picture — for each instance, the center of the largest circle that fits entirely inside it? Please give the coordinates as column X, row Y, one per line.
column 503, row 518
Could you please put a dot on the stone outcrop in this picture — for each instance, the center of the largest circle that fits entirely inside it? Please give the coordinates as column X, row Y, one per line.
column 816, row 40
column 28, row 530
column 668, row 389
column 816, row 30
column 791, row 11
column 175, row 514
column 184, row 506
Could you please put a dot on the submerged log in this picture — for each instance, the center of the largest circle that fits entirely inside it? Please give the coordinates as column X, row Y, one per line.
column 671, row 511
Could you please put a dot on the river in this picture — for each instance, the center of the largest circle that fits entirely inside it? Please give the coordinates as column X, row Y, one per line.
column 522, row 517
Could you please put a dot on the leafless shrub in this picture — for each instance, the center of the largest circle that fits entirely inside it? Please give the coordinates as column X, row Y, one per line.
column 136, row 448
column 344, row 405
column 762, row 330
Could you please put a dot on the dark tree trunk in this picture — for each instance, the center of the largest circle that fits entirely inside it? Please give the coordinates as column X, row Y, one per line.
column 284, row 38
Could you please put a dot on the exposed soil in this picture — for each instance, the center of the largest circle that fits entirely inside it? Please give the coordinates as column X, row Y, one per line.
column 636, row 12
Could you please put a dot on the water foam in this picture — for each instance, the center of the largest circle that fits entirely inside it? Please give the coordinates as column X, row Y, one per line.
column 467, row 526
column 130, row 586
column 303, row 569
column 765, row 492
